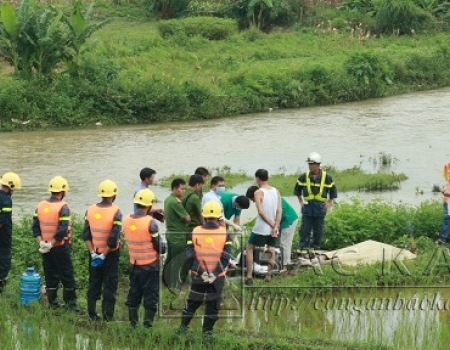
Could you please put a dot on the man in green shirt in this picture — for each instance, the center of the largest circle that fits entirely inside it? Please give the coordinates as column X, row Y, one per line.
column 176, row 229
column 232, row 208
column 192, row 203
column 204, row 173
column 288, row 223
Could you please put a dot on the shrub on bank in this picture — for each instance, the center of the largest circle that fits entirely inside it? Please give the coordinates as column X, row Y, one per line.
column 208, row 27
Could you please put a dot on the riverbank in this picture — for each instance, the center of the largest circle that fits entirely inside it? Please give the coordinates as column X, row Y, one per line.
column 134, row 76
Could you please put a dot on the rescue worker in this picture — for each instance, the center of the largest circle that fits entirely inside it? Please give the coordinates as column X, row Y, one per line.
column 51, row 227
column 315, row 191
column 101, row 234
column 144, row 246
column 208, row 249
column 9, row 182
column 445, row 228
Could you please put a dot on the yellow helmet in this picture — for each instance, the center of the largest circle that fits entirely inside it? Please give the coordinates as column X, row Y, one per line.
column 144, row 197
column 11, row 180
column 58, row 184
column 107, row 188
column 212, row 210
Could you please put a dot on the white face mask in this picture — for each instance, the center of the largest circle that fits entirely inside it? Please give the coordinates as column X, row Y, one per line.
column 220, row 190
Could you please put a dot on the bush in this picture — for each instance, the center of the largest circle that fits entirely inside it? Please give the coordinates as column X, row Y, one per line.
column 370, row 72
column 402, row 16
column 208, row 27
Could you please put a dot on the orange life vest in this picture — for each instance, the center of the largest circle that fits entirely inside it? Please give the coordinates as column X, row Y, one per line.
column 209, row 245
column 48, row 216
column 139, row 240
column 101, row 222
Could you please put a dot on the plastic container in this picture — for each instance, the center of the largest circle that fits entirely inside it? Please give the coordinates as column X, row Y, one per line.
column 30, row 286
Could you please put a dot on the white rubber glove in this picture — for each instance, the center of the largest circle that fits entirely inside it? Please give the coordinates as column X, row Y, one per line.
column 237, row 228
column 49, row 245
column 205, row 277
column 101, row 256
column 211, row 278
column 94, row 255
column 42, row 244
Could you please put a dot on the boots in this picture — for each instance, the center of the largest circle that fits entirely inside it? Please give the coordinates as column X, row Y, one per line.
column 70, row 298
column 208, row 325
column 148, row 318
column 52, row 298
column 133, row 316
column 108, row 310
column 92, row 310
column 185, row 320
column 2, row 286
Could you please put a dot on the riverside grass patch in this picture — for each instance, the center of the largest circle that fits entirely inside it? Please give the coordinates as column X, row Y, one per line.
column 132, row 75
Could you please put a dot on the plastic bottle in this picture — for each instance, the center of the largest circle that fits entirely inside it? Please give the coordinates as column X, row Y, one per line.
column 30, row 286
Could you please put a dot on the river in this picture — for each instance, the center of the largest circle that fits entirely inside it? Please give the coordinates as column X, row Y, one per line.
column 410, row 128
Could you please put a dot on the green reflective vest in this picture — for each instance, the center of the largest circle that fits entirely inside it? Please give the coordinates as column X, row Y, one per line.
column 321, row 196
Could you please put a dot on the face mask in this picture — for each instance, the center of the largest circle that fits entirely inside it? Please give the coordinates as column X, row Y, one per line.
column 220, row 190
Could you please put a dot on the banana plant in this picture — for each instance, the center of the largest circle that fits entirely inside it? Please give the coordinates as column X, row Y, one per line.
column 13, row 46
column 81, row 29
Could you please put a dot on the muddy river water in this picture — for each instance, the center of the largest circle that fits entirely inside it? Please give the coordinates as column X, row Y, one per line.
column 411, row 128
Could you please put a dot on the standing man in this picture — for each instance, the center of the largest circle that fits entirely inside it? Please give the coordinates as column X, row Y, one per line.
column 266, row 229
column 144, row 246
column 217, row 186
column 192, row 203
column 288, row 223
column 315, row 191
column 445, row 228
column 9, row 182
column 101, row 234
column 51, row 228
column 204, row 173
column 147, row 176
column 177, row 219
column 232, row 208
column 208, row 249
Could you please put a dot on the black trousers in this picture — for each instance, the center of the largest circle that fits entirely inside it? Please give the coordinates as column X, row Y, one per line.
column 5, row 263
column 144, row 285
column 58, row 268
column 314, row 223
column 104, row 280
column 208, row 293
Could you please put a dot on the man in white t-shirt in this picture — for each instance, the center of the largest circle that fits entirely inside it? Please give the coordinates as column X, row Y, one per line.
column 266, row 229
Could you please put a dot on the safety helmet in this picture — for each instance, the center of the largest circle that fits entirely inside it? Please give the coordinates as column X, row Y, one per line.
column 314, row 157
column 107, row 188
column 212, row 210
column 446, row 171
column 11, row 180
column 144, row 197
column 58, row 184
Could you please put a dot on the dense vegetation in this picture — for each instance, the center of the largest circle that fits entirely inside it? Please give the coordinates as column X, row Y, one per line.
column 162, row 60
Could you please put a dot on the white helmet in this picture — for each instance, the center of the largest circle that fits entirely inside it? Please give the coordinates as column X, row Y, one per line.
column 314, row 157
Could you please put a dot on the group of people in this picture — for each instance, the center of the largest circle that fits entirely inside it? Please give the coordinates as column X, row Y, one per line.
column 197, row 234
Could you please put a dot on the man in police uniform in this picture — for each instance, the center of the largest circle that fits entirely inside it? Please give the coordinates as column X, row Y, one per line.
column 102, row 227
column 51, row 228
column 315, row 191
column 8, row 183
column 209, row 249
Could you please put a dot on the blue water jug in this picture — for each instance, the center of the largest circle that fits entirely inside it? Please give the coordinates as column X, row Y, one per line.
column 30, row 286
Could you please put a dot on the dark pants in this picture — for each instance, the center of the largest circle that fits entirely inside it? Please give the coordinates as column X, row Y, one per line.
column 58, row 268
column 104, row 277
column 144, row 284
column 5, row 263
column 445, row 224
column 175, row 269
column 208, row 293
column 314, row 223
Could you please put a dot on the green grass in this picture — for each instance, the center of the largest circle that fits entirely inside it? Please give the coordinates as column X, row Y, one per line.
column 353, row 179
